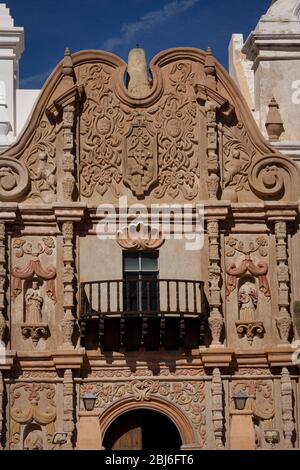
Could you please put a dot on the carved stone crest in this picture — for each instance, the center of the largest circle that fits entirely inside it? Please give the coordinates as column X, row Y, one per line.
column 140, row 157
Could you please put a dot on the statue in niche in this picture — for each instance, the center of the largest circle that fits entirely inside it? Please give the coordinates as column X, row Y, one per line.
column 34, row 441
column 34, row 304
column 247, row 297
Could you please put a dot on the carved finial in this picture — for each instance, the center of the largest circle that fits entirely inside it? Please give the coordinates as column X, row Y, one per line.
column 210, row 68
column 68, row 68
column 138, row 85
column 274, row 122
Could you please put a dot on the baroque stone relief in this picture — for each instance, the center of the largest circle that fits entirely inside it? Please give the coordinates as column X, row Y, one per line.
column 32, row 404
column 156, row 146
column 189, row 396
column 36, row 282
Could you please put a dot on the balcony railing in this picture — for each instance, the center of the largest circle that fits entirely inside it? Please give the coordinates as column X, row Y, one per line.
column 141, row 305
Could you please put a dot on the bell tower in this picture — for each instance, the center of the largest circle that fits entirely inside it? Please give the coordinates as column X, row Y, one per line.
column 11, row 49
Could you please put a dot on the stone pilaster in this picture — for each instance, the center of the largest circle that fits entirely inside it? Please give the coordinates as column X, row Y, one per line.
column 216, row 319
column 217, row 407
column 2, row 281
column 69, row 426
column 283, row 320
column 1, row 407
column 287, row 407
column 68, row 158
column 67, row 324
column 213, row 179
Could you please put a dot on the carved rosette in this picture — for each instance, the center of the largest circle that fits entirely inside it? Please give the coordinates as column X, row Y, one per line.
column 215, row 320
column 217, row 408
column 69, row 426
column 287, row 407
column 283, row 320
column 140, row 157
column 2, row 281
column 67, row 324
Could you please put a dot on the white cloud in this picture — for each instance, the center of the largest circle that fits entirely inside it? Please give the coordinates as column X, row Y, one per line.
column 36, row 79
column 147, row 22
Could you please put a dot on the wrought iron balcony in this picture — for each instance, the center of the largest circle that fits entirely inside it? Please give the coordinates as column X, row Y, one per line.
column 145, row 312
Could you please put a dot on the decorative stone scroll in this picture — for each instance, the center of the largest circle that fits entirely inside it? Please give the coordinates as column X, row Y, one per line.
column 14, row 180
column 215, row 320
column 283, row 320
column 274, row 176
column 144, row 237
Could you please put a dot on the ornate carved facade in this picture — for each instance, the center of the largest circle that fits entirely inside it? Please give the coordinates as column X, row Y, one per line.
column 214, row 322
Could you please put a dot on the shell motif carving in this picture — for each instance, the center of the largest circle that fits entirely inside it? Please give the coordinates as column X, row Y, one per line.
column 14, row 180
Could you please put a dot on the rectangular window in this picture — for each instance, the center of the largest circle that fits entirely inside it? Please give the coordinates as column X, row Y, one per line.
column 140, row 274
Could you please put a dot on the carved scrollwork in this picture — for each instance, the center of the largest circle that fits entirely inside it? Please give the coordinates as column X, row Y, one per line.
column 102, row 131
column 14, row 179
column 176, row 121
column 274, row 176
column 144, row 237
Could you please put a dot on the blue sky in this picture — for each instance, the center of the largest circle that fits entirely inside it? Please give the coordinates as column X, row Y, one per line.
column 118, row 25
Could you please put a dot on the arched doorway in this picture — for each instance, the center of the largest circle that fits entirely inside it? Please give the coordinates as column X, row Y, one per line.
column 142, row 430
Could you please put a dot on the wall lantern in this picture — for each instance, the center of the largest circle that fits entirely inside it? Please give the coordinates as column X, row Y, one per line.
column 89, row 400
column 240, row 399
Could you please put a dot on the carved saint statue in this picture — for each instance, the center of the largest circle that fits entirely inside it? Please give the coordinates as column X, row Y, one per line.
column 33, row 441
column 248, row 297
column 34, row 304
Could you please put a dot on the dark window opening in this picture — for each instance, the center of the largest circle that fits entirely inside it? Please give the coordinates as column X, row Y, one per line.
column 140, row 274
